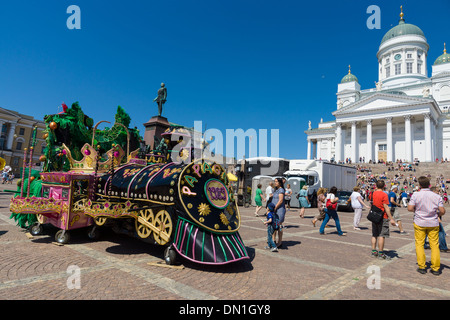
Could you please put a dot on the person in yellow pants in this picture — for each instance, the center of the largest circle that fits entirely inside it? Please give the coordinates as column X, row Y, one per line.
column 427, row 207
column 420, row 234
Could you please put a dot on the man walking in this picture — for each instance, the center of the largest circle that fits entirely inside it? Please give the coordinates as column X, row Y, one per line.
column 393, row 204
column 380, row 230
column 428, row 207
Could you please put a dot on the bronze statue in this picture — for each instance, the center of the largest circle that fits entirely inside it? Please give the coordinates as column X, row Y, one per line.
column 161, row 98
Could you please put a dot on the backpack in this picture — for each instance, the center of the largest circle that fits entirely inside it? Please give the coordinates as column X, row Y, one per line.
column 275, row 221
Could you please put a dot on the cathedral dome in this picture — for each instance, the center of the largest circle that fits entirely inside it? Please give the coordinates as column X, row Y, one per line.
column 443, row 58
column 402, row 29
column 349, row 77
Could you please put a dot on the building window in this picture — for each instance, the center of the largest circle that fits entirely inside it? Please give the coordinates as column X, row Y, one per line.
column 419, row 68
column 382, row 147
column 387, row 60
column 388, row 71
column 19, row 145
column 398, row 69
column 409, row 67
column 409, row 55
column 21, row 131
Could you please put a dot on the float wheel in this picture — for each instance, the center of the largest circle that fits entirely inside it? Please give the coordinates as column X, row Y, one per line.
column 170, row 255
column 164, row 227
column 94, row 233
column 62, row 237
column 36, row 229
column 144, row 223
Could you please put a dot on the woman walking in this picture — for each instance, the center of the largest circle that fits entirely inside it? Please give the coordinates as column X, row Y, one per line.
column 331, row 204
column 287, row 196
column 320, row 206
column 303, row 200
column 280, row 209
column 258, row 200
column 357, row 205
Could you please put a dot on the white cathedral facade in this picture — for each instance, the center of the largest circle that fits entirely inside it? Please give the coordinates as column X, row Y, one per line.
column 405, row 116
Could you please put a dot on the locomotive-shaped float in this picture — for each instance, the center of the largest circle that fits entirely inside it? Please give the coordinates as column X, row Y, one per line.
column 189, row 208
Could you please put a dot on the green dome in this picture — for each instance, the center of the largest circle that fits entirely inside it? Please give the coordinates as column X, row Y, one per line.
column 443, row 58
column 402, row 29
column 349, row 78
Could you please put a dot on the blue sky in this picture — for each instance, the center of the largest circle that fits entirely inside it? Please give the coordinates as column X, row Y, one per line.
column 231, row 64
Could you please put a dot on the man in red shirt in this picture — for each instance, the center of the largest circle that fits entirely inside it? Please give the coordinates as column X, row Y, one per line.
column 380, row 230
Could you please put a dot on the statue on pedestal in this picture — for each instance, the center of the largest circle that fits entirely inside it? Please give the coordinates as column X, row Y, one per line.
column 161, row 98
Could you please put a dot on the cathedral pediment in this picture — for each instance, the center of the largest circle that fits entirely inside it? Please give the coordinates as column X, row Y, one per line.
column 442, row 74
column 383, row 102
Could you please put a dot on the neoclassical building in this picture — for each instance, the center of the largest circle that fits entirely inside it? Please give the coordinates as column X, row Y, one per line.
column 16, row 134
column 405, row 116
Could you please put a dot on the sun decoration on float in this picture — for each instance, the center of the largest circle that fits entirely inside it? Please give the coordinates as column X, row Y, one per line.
column 204, row 209
column 224, row 219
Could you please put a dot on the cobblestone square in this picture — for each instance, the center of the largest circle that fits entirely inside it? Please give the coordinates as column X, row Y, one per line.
column 309, row 266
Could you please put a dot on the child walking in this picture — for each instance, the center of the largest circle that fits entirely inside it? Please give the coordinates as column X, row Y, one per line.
column 271, row 227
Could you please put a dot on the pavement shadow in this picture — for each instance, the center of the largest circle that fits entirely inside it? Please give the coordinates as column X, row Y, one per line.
column 392, row 254
column 289, row 243
column 443, row 266
column 2, row 232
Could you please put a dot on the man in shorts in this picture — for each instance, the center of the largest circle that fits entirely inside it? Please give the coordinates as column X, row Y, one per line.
column 380, row 230
column 393, row 204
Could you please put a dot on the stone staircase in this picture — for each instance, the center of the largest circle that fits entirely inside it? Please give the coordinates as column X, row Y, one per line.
column 433, row 170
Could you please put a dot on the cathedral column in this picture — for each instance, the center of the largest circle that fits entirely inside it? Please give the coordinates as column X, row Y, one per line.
column 318, row 151
column 353, row 142
column 12, row 130
column 338, row 148
column 408, row 141
column 389, row 156
column 3, row 146
column 427, row 126
column 369, row 141
column 329, row 141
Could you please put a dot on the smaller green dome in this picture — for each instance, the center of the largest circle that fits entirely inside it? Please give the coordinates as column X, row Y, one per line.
column 349, row 77
column 443, row 58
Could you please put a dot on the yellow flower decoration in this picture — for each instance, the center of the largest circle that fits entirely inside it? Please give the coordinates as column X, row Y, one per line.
column 224, row 219
column 204, row 209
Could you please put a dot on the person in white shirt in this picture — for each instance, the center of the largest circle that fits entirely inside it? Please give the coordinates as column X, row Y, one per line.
column 269, row 192
column 357, row 205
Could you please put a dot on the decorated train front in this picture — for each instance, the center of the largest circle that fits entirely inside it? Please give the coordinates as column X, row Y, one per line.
column 189, row 208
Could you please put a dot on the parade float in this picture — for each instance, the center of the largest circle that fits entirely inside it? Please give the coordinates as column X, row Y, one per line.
column 96, row 178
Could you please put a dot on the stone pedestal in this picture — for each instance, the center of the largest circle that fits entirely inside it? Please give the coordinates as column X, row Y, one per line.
column 153, row 128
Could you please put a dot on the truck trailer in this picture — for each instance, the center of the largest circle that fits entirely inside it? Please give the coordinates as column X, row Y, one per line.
column 318, row 174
